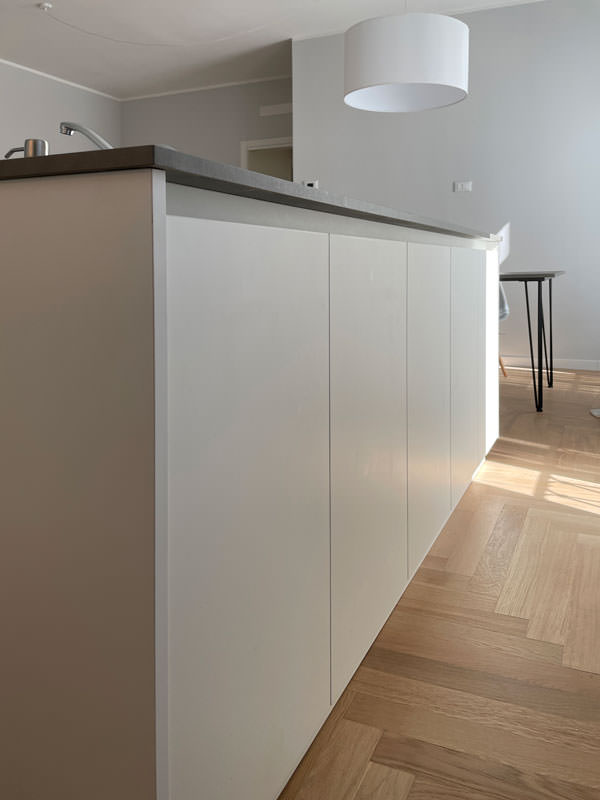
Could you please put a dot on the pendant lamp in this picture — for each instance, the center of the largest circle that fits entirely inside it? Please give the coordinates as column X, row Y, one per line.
column 409, row 62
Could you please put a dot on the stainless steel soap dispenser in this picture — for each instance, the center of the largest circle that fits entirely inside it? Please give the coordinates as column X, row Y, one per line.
column 31, row 147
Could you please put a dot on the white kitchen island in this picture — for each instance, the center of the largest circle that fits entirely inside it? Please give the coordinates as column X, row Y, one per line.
column 257, row 406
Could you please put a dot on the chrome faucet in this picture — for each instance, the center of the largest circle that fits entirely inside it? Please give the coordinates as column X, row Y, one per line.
column 69, row 128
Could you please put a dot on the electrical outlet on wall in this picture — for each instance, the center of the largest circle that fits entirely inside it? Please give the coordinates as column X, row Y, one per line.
column 462, row 186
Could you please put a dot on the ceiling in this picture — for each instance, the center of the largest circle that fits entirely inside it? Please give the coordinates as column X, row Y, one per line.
column 129, row 48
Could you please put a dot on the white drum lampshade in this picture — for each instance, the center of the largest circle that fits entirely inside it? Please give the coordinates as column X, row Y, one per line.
column 409, row 62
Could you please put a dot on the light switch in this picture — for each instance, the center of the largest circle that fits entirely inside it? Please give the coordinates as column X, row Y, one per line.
column 462, row 186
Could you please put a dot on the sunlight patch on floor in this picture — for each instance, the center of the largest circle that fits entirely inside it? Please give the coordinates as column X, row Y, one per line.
column 573, row 492
column 524, row 442
column 564, row 490
column 508, row 477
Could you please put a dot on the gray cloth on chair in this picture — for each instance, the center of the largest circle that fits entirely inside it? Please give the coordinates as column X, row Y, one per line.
column 504, row 310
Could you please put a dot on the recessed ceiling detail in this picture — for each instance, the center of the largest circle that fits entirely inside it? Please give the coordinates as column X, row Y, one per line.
column 131, row 48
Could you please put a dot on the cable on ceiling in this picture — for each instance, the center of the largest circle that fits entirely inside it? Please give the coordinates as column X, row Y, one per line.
column 97, row 35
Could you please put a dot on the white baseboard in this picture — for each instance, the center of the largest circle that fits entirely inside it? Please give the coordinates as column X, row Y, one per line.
column 559, row 363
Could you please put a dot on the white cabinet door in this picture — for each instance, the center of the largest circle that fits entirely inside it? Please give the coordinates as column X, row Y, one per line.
column 468, row 366
column 428, row 379
column 248, row 572
column 368, row 444
column 492, row 386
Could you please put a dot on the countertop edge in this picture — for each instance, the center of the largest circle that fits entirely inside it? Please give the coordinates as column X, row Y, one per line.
column 188, row 170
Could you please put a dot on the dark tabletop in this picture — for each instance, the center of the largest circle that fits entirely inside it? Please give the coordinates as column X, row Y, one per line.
column 538, row 275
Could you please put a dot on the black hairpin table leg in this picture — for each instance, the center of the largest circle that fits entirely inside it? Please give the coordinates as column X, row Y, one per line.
column 546, row 352
column 540, row 324
column 545, row 340
column 551, row 381
column 535, row 393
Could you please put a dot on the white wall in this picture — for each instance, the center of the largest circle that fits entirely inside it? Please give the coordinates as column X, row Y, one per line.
column 528, row 136
column 210, row 123
column 33, row 105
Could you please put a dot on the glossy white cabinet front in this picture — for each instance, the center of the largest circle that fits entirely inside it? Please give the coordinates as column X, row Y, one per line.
column 428, row 380
column 368, row 444
column 248, row 596
column 468, row 366
column 313, row 445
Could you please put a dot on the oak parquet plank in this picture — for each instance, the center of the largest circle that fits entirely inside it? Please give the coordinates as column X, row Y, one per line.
column 517, row 451
column 384, row 783
column 538, row 585
column 478, row 495
column 576, row 464
column 582, row 648
column 480, row 619
column 511, row 478
column 553, row 582
column 572, row 521
column 545, row 688
column 547, row 459
column 455, row 642
column 542, row 573
column 464, row 538
column 573, row 492
column 440, row 596
column 582, row 439
column 541, row 429
column 427, row 788
column 517, row 595
column 434, row 562
column 341, row 764
column 443, row 579
column 473, row 541
column 472, row 773
column 540, row 501
column 492, row 569
column 521, row 496
column 447, row 540
column 546, row 471
column 462, row 704
column 527, row 755
column 322, row 739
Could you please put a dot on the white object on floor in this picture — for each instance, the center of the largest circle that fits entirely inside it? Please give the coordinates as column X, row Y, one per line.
column 595, row 412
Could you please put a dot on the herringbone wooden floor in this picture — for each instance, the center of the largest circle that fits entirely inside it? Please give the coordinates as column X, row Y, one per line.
column 485, row 682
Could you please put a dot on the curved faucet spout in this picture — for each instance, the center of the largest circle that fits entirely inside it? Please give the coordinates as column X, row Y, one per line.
column 69, row 128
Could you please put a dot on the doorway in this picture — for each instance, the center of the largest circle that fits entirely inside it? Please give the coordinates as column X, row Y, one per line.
column 269, row 157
